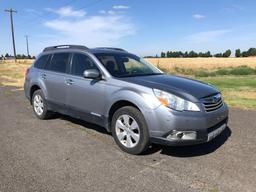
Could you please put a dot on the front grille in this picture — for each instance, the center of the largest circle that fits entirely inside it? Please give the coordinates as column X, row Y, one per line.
column 212, row 103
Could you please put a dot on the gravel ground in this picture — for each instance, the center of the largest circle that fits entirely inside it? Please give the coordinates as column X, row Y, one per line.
column 66, row 154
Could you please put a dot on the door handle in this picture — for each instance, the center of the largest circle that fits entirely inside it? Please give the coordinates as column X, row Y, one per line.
column 43, row 76
column 69, row 81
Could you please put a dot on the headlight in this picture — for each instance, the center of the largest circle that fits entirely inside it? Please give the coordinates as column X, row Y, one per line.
column 175, row 102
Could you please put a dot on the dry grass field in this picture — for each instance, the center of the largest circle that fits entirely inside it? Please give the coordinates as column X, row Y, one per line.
column 169, row 64
column 12, row 73
column 238, row 90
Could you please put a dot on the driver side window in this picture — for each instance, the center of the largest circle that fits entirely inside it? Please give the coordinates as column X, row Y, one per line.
column 80, row 63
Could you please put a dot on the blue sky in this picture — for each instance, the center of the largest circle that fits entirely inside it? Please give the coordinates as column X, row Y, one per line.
column 145, row 27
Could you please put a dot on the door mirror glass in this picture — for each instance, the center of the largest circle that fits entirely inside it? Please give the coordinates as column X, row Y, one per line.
column 92, row 74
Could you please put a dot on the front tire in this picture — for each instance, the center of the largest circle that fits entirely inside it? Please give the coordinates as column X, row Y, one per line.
column 129, row 130
column 39, row 105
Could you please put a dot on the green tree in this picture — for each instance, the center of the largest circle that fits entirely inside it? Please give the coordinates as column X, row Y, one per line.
column 185, row 54
column 238, row 53
column 245, row 54
column 163, row 54
column 192, row 54
column 180, row 54
column 208, row 54
column 251, row 52
column 18, row 56
column 200, row 54
column 168, row 54
column 218, row 55
column 227, row 53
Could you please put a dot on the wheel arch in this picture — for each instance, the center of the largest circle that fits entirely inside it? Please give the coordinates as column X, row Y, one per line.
column 37, row 86
column 117, row 105
column 33, row 88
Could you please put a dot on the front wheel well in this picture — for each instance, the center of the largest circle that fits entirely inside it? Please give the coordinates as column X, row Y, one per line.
column 32, row 90
column 117, row 105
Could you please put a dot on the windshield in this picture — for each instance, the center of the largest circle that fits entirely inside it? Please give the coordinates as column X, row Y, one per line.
column 126, row 65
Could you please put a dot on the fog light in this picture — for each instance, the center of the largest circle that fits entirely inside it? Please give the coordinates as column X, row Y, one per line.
column 182, row 135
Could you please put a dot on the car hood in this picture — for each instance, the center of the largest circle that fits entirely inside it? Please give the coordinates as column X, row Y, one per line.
column 184, row 87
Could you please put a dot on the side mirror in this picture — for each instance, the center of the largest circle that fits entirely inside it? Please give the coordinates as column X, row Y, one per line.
column 92, row 74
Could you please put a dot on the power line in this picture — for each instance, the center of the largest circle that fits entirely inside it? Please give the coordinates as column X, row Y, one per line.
column 26, row 36
column 10, row 11
column 37, row 18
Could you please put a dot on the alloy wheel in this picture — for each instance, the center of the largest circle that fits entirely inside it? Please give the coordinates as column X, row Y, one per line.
column 38, row 105
column 127, row 131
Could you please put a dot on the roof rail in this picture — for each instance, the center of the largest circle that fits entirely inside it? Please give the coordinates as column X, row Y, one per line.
column 65, row 47
column 111, row 48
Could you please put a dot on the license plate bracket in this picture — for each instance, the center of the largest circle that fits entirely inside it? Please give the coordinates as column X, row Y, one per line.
column 216, row 132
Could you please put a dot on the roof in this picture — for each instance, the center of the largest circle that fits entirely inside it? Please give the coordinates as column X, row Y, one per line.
column 83, row 48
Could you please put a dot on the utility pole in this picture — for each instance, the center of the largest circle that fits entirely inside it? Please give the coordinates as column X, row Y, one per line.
column 10, row 11
column 26, row 36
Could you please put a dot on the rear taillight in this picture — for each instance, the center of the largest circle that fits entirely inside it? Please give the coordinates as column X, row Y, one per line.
column 27, row 71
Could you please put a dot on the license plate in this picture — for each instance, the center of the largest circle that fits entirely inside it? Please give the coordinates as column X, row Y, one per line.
column 216, row 132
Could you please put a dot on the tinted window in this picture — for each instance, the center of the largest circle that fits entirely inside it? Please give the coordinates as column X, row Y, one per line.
column 40, row 63
column 80, row 63
column 59, row 62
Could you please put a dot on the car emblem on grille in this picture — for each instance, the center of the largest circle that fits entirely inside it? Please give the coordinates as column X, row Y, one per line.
column 216, row 98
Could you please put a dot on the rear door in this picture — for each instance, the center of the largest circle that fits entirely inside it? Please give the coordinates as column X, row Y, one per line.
column 86, row 97
column 54, row 76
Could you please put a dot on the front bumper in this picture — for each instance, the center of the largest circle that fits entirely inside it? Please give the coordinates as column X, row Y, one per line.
column 202, row 136
column 205, row 125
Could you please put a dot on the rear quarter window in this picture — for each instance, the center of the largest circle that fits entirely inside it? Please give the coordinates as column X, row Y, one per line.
column 40, row 63
column 59, row 62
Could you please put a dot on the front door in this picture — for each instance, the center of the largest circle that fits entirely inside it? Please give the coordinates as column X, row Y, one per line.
column 86, row 97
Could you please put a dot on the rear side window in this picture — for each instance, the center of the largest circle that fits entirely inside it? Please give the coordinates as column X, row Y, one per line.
column 40, row 63
column 59, row 62
column 80, row 63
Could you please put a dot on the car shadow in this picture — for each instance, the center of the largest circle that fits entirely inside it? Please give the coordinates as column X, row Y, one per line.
column 176, row 151
column 84, row 124
column 194, row 150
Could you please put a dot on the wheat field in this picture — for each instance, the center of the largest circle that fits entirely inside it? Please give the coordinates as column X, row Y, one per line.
column 238, row 91
column 12, row 73
column 169, row 64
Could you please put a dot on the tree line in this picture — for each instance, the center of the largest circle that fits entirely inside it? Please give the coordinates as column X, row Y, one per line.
column 249, row 53
column 18, row 56
column 179, row 54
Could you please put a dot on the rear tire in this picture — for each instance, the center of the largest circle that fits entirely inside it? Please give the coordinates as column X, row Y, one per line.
column 130, row 130
column 39, row 105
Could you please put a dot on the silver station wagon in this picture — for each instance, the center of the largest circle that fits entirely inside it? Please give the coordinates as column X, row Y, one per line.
column 121, row 92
